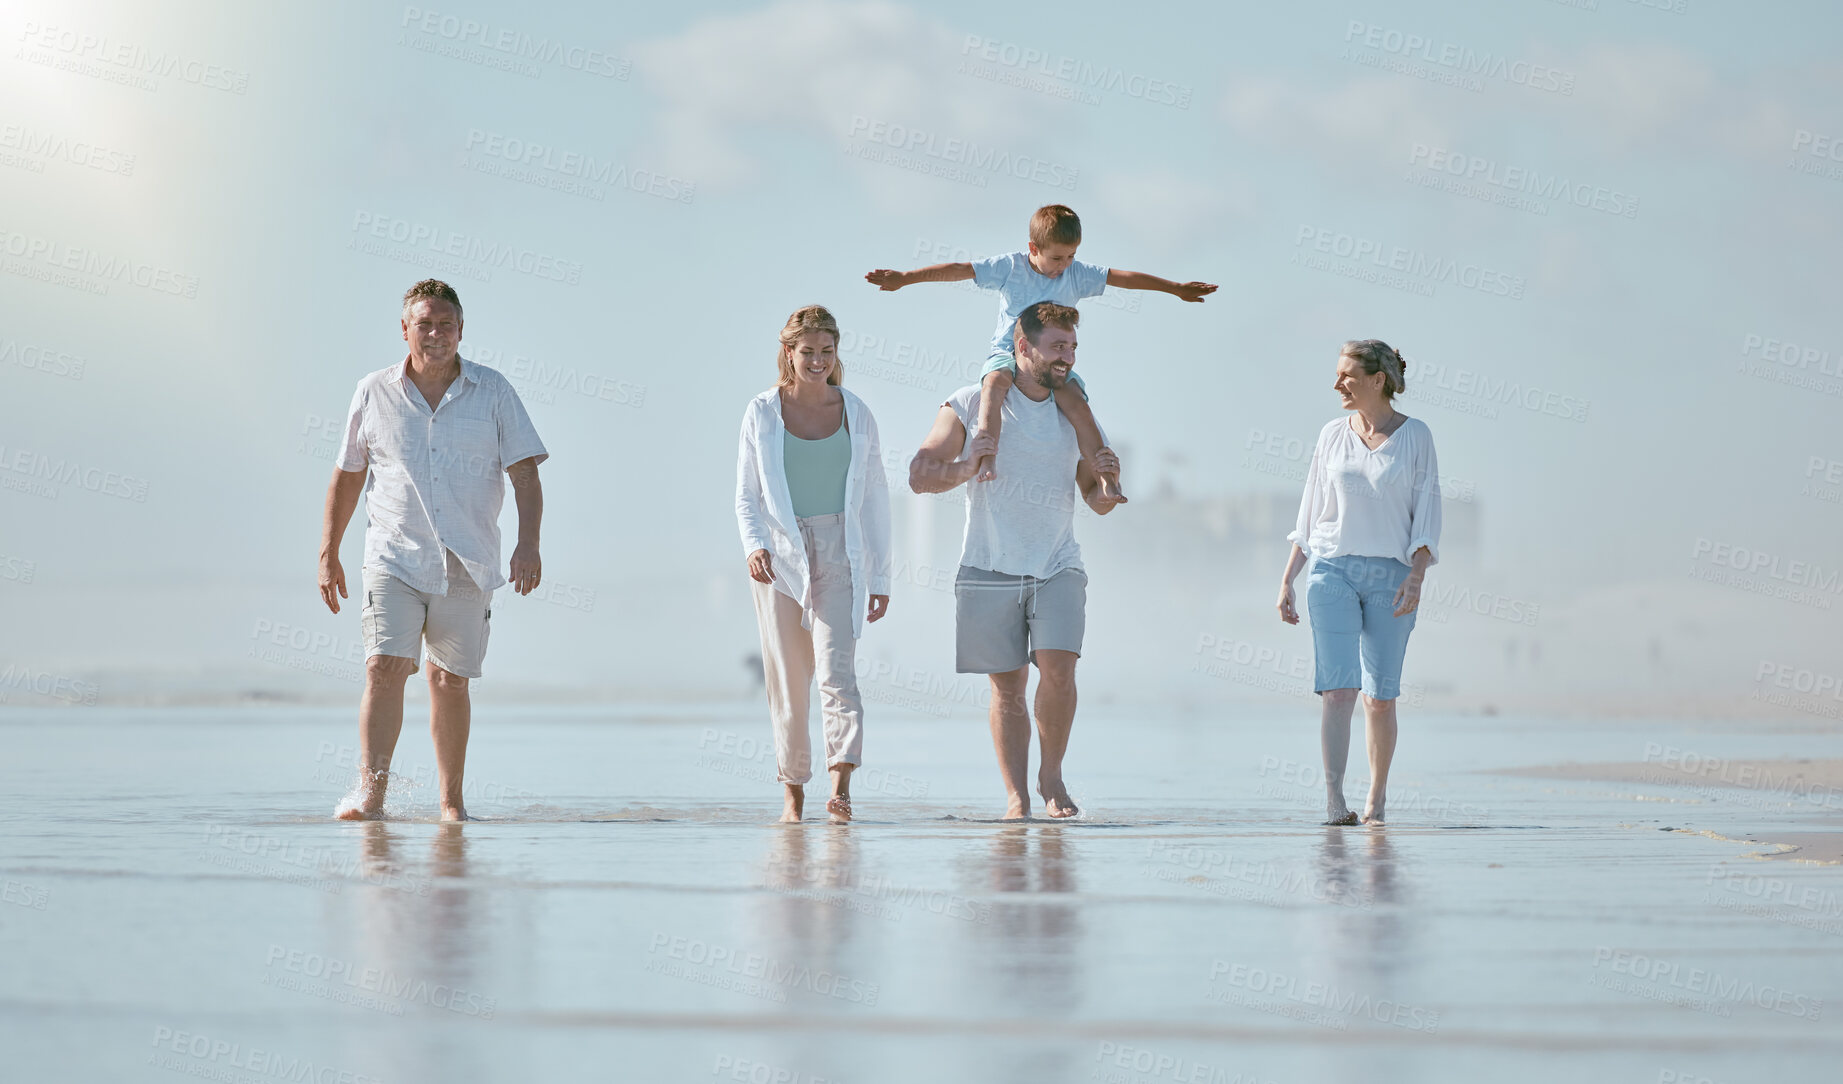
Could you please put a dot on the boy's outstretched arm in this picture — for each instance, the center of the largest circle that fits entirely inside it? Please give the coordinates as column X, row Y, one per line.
column 884, row 279
column 1139, row 280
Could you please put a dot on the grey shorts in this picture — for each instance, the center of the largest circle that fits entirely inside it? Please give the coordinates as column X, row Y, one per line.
column 397, row 618
column 1001, row 620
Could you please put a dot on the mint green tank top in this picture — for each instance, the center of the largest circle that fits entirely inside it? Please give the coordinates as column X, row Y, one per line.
column 816, row 471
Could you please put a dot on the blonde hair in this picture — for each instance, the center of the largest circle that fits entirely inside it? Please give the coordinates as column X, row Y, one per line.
column 803, row 320
column 1377, row 356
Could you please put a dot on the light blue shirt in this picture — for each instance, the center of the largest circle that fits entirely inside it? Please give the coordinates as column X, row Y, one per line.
column 1020, row 286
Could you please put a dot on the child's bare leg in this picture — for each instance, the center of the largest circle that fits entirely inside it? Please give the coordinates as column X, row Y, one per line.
column 1074, row 406
column 992, row 392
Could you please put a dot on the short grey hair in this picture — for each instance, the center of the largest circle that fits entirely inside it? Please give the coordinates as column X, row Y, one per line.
column 1379, row 357
column 428, row 290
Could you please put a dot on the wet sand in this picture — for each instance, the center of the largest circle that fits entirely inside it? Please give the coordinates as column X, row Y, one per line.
column 178, row 902
column 1811, row 789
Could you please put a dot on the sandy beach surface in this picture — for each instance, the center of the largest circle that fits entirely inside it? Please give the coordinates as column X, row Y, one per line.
column 1553, row 899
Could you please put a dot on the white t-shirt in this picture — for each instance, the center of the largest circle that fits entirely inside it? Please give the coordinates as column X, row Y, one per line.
column 1020, row 286
column 1022, row 523
column 1380, row 503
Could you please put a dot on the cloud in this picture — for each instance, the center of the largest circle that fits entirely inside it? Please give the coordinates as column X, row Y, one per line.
column 1167, row 211
column 1630, row 100
column 1367, row 117
column 810, row 70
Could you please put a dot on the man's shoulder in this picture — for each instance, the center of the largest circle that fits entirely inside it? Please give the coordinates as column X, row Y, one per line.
column 965, row 401
column 379, row 376
column 488, row 378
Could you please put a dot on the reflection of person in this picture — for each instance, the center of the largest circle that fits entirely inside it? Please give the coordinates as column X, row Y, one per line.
column 1047, row 271
column 813, row 507
column 427, row 440
column 1021, row 593
column 1369, row 525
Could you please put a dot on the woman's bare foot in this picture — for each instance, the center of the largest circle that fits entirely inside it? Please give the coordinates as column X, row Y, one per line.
column 1372, row 813
column 1017, row 808
column 455, row 813
column 1336, row 818
column 1056, row 801
column 794, row 805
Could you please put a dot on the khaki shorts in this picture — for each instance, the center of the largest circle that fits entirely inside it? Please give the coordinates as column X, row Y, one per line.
column 397, row 618
column 1001, row 620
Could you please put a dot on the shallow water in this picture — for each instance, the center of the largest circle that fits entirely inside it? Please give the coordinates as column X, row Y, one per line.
column 177, row 901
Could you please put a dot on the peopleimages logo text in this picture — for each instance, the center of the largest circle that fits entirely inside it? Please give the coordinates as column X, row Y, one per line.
column 962, row 152
column 1459, row 58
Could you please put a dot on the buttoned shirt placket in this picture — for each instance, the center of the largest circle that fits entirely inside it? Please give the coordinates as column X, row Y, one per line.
column 435, row 510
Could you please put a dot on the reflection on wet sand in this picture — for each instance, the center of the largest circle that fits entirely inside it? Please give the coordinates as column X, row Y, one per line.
column 417, row 921
column 1030, row 953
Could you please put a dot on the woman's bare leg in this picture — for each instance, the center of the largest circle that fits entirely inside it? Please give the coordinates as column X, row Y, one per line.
column 1336, row 708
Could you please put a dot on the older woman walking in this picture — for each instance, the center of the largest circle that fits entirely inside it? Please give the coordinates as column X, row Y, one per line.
column 813, row 506
column 1369, row 525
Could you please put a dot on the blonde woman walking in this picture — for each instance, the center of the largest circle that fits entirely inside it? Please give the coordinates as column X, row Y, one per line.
column 813, row 507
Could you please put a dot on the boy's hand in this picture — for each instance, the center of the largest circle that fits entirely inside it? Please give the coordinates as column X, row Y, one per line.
column 884, row 279
column 1194, row 291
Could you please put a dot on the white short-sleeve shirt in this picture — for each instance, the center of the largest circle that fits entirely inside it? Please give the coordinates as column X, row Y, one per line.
column 1020, row 286
column 1381, row 502
column 437, row 477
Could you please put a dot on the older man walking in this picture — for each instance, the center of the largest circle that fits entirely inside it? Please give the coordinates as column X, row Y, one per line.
column 429, row 441
column 1021, row 593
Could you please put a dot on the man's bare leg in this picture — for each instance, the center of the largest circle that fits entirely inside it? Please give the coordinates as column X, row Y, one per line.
column 1074, row 407
column 793, row 805
column 1055, row 719
column 1334, row 737
column 450, row 719
column 1010, row 721
column 839, row 805
column 992, row 392
column 1382, row 733
column 380, row 720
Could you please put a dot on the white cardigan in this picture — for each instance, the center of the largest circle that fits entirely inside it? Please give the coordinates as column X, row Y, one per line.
column 765, row 507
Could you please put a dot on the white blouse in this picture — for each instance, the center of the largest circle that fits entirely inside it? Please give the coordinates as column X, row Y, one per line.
column 1372, row 503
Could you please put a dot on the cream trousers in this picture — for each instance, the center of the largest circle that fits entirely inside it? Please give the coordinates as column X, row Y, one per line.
column 794, row 656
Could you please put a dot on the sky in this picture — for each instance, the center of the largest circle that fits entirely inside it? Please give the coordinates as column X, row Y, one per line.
column 1603, row 235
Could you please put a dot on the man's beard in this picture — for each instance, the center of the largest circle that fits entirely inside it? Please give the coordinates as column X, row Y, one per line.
column 1049, row 376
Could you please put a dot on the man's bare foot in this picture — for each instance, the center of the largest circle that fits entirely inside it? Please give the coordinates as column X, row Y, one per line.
column 1056, row 801
column 794, row 805
column 986, row 469
column 352, row 811
column 839, row 806
column 1017, row 809
column 366, row 801
column 1372, row 812
column 455, row 813
column 1334, row 817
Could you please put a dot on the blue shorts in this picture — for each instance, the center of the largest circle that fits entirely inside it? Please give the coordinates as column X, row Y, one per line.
column 1002, row 360
column 1357, row 641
